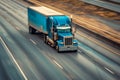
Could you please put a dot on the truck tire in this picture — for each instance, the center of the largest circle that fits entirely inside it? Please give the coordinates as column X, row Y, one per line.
column 55, row 44
column 58, row 50
column 75, row 50
column 31, row 30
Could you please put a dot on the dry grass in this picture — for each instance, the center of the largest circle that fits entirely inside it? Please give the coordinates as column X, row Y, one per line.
column 80, row 8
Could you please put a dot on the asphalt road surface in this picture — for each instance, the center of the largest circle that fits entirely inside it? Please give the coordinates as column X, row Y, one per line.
column 118, row 1
column 27, row 57
column 104, row 4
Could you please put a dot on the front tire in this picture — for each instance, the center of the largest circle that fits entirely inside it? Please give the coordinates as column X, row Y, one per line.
column 57, row 48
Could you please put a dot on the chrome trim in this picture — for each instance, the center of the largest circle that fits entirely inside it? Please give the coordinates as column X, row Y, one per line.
column 70, row 37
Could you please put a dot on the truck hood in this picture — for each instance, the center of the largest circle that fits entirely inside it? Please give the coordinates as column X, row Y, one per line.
column 65, row 35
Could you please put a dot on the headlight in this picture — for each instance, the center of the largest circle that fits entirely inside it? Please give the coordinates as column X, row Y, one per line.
column 74, row 42
column 61, row 42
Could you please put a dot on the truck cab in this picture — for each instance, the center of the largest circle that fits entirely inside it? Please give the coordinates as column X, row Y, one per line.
column 60, row 31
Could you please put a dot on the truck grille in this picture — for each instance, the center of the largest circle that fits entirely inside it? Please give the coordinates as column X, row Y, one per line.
column 68, row 41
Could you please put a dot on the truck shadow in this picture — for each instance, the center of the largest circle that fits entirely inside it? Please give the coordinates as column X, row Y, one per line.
column 41, row 36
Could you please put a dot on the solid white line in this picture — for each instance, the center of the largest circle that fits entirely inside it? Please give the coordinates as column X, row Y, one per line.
column 33, row 41
column 109, row 70
column 17, row 28
column 13, row 59
column 80, row 51
column 57, row 64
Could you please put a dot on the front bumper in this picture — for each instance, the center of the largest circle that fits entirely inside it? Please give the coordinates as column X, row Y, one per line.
column 68, row 48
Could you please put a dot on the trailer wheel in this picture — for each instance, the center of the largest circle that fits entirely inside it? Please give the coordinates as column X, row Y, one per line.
column 31, row 30
column 75, row 50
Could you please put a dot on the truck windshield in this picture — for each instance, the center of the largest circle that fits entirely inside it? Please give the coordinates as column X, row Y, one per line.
column 63, row 29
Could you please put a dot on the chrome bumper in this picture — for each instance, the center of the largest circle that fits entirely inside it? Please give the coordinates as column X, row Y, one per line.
column 68, row 48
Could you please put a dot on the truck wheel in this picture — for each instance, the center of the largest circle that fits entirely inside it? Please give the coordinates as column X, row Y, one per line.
column 58, row 49
column 31, row 30
column 55, row 44
column 75, row 50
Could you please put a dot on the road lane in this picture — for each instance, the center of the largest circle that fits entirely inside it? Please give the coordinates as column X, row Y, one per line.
column 103, row 56
column 111, row 23
column 10, row 69
column 99, row 59
column 21, row 58
column 10, row 9
column 15, row 5
column 118, row 1
column 33, row 54
column 12, row 57
column 72, row 67
column 111, row 53
column 3, row 74
column 107, row 5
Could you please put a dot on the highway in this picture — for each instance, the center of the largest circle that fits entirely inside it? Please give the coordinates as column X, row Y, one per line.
column 3, row 74
column 26, row 57
column 104, row 4
column 115, row 1
column 8, row 70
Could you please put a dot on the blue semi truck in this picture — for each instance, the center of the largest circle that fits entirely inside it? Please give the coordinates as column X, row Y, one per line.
column 56, row 27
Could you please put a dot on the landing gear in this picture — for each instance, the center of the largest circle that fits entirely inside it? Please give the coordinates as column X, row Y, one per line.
column 31, row 30
column 45, row 39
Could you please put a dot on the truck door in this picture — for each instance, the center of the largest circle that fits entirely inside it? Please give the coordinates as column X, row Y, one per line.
column 50, row 27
